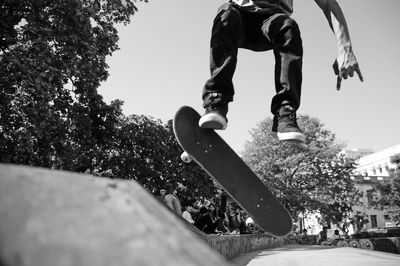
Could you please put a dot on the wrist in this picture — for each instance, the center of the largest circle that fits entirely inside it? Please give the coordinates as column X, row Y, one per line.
column 345, row 48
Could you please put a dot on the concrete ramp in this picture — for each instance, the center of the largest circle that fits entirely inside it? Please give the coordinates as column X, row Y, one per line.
column 317, row 256
column 52, row 218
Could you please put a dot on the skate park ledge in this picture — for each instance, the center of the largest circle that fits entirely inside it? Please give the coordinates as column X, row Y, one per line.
column 51, row 217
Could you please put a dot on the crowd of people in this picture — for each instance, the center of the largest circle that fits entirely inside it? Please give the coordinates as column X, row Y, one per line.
column 215, row 216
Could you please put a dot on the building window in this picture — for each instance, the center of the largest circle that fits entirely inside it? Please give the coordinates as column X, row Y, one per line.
column 370, row 197
column 374, row 223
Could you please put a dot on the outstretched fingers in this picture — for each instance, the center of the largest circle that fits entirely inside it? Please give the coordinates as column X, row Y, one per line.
column 358, row 71
column 338, row 82
column 345, row 72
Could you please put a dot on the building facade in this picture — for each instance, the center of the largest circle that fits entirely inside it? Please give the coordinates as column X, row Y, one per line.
column 372, row 169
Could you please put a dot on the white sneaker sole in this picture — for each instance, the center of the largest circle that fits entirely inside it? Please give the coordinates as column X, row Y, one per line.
column 294, row 136
column 213, row 121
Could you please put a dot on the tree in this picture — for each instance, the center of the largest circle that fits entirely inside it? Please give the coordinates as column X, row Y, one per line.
column 336, row 192
column 144, row 149
column 52, row 60
column 306, row 178
column 358, row 220
column 389, row 199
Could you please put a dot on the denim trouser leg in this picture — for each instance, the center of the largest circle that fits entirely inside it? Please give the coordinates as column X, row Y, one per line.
column 224, row 43
column 235, row 29
column 284, row 33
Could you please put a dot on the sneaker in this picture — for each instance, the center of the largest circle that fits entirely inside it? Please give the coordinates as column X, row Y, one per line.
column 215, row 118
column 286, row 126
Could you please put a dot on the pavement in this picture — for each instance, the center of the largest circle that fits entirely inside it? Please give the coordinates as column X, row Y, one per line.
column 317, row 255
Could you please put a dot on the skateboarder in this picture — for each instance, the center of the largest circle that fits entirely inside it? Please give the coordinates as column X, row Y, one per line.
column 262, row 25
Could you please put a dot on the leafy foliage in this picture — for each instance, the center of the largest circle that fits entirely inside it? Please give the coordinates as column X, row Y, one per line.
column 358, row 220
column 389, row 199
column 310, row 177
column 52, row 61
column 145, row 150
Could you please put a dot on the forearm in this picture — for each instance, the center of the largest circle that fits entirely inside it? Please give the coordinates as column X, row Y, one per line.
column 346, row 63
column 338, row 24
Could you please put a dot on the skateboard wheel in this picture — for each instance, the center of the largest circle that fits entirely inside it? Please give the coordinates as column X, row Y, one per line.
column 185, row 157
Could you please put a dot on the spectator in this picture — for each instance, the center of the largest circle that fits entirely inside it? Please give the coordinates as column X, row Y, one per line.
column 336, row 234
column 234, row 221
column 213, row 211
column 171, row 200
column 186, row 213
column 223, row 226
column 161, row 197
column 223, row 202
column 242, row 224
column 220, row 213
column 202, row 202
column 323, row 235
column 205, row 221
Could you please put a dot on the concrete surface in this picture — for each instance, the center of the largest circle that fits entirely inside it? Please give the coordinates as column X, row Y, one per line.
column 51, row 218
column 317, row 256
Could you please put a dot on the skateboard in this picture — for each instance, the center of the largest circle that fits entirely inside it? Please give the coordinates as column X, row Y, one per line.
column 215, row 156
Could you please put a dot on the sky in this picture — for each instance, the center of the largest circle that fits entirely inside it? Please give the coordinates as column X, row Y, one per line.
column 163, row 63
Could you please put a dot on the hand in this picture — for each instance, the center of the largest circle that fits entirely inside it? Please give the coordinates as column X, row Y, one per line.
column 348, row 64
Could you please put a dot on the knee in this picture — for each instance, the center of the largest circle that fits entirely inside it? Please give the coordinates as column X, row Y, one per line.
column 228, row 16
column 283, row 30
column 290, row 29
column 289, row 36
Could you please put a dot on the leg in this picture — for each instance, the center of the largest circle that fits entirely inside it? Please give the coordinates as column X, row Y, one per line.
column 283, row 32
column 225, row 38
column 212, row 226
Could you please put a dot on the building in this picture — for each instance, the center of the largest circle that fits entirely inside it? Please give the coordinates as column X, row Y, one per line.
column 357, row 153
column 372, row 169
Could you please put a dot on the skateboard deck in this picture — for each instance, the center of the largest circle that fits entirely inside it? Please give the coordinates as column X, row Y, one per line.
column 215, row 156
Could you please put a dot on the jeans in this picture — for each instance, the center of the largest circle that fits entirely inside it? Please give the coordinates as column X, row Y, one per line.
column 233, row 29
